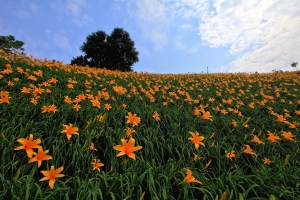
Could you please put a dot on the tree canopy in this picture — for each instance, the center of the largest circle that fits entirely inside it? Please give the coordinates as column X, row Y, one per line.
column 294, row 64
column 113, row 52
column 9, row 43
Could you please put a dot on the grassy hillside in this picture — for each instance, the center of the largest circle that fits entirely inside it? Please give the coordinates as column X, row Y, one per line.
column 111, row 135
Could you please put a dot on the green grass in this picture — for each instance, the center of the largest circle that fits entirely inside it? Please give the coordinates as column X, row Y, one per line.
column 159, row 169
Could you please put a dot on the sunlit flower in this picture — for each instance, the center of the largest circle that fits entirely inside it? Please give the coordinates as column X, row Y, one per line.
column 107, row 106
column 288, row 136
column 51, row 175
column 280, row 118
column 190, row 178
column 4, row 99
column 129, row 132
column 196, row 112
column 92, row 147
column 267, row 161
column 53, row 108
column 127, row 148
column 224, row 112
column 76, row 106
column 26, row 90
column 248, row 150
column 33, row 101
column 230, row 154
column 195, row 156
column 196, row 139
column 68, row 99
column 272, row 137
column 133, row 119
column 234, row 123
column 45, row 109
column 256, row 140
column 156, row 116
column 69, row 130
column 95, row 103
column 28, row 145
column 251, row 105
column 40, row 156
column 97, row 164
column 206, row 115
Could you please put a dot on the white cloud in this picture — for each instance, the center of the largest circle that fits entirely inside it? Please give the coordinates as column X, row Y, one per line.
column 261, row 34
column 153, row 18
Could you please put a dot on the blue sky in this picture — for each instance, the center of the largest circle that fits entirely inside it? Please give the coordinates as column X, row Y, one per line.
column 171, row 36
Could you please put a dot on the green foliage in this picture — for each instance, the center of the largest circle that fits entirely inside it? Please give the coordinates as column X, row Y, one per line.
column 9, row 43
column 158, row 172
column 294, row 64
column 113, row 52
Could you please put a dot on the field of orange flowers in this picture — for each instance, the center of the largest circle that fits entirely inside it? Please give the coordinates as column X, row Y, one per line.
column 72, row 132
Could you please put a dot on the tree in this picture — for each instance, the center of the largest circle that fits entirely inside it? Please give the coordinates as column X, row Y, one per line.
column 9, row 43
column 294, row 64
column 113, row 52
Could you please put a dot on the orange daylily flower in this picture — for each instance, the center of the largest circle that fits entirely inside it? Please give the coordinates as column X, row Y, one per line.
column 33, row 101
column 195, row 156
column 68, row 99
column 76, row 106
column 26, row 90
column 129, row 132
column 256, row 140
column 97, row 164
column 288, row 136
column 46, row 109
column 133, row 119
column 196, row 139
column 206, row 115
column 280, row 118
column 53, row 108
column 267, row 161
column 95, row 103
column 40, row 156
column 92, row 147
column 248, row 150
column 190, row 178
column 69, row 130
column 5, row 99
column 230, row 154
column 234, row 123
column 127, row 148
column 28, row 145
column 107, row 106
column 156, row 116
column 51, row 175
column 196, row 112
column 272, row 137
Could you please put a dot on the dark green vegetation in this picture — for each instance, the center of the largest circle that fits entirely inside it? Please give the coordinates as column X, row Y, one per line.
column 114, row 52
column 158, row 171
column 9, row 43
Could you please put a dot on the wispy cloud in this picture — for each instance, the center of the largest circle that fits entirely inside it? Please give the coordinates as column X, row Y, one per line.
column 261, row 35
column 153, row 17
column 78, row 16
column 257, row 33
column 62, row 41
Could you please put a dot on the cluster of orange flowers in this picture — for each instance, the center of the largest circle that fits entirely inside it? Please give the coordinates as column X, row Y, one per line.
column 28, row 145
column 170, row 94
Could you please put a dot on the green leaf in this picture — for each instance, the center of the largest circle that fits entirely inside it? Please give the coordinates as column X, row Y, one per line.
column 16, row 177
